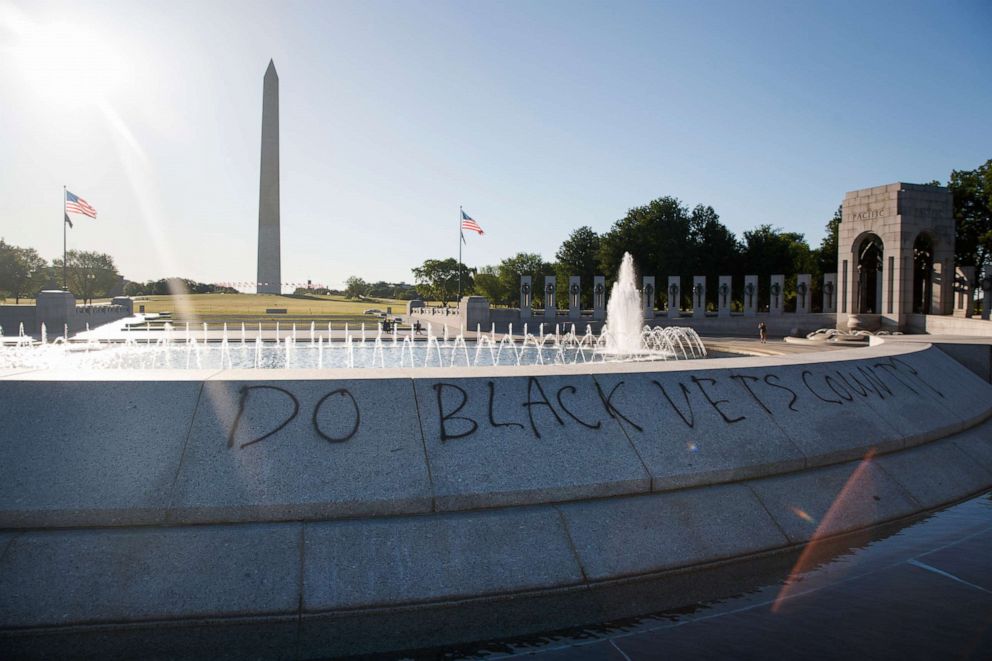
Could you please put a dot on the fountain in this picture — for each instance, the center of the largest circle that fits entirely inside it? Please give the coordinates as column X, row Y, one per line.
column 624, row 338
column 624, row 313
column 518, row 470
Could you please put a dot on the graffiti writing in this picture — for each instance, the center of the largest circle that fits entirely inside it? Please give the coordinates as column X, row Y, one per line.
column 731, row 398
column 327, row 407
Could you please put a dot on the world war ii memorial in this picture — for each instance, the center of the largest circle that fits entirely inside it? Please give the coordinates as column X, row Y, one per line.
column 309, row 492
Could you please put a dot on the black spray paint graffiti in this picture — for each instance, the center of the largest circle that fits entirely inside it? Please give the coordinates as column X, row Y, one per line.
column 341, row 394
column 455, row 426
column 838, row 386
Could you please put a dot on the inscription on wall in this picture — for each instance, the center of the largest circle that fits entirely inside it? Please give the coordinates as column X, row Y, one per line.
column 870, row 214
column 336, row 417
column 540, row 409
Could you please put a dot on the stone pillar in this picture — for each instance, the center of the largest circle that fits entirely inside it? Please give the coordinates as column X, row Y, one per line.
column 526, row 297
column 127, row 303
column 56, row 309
column 986, row 285
column 723, row 294
column 750, row 295
column 776, row 295
column 963, row 290
column 648, row 294
column 943, row 282
column 474, row 311
column 599, row 297
column 574, row 297
column 674, row 296
column 804, row 294
column 699, row 296
column 269, row 271
column 830, row 293
column 550, row 289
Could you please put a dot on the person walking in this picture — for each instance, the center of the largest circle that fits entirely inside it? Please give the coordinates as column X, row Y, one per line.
column 762, row 332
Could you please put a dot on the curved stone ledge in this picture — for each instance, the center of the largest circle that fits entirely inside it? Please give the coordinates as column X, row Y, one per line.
column 329, row 573
column 149, row 448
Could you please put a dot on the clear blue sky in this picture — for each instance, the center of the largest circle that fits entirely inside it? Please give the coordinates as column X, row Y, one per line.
column 538, row 117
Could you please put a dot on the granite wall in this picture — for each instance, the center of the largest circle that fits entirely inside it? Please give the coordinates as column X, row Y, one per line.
column 367, row 511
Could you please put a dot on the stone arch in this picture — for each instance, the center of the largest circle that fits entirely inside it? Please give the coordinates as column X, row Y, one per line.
column 924, row 249
column 897, row 214
column 869, row 259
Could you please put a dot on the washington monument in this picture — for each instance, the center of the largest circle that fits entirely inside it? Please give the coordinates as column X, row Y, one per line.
column 269, row 272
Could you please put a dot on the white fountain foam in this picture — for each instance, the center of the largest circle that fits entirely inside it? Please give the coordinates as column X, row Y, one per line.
column 625, row 337
column 624, row 314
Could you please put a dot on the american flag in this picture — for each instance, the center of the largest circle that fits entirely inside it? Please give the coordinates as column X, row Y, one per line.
column 76, row 204
column 469, row 224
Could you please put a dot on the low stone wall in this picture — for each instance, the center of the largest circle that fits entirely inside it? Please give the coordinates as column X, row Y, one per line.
column 734, row 325
column 330, row 503
column 12, row 316
column 58, row 311
column 948, row 325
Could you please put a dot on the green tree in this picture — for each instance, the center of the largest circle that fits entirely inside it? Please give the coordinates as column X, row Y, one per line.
column 716, row 251
column 437, row 279
column 488, row 284
column 769, row 251
column 826, row 254
column 657, row 235
column 578, row 255
column 972, row 193
column 666, row 238
column 523, row 263
column 133, row 289
column 22, row 271
column 91, row 274
column 355, row 287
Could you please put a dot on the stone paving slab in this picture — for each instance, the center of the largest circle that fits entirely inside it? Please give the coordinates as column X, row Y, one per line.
column 90, row 453
column 302, row 450
column 901, row 599
column 698, row 428
column 968, row 560
column 359, row 564
column 84, row 576
column 535, row 439
column 900, row 613
column 832, row 500
column 650, row 533
column 936, row 473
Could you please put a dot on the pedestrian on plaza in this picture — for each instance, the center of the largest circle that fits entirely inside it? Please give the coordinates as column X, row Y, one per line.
column 762, row 332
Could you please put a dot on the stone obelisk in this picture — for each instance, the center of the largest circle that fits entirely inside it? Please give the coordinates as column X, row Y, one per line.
column 269, row 271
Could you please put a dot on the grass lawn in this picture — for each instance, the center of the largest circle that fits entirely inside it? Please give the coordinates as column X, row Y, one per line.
column 251, row 308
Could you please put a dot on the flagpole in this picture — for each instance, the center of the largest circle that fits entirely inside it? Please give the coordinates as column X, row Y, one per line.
column 459, row 255
column 65, row 251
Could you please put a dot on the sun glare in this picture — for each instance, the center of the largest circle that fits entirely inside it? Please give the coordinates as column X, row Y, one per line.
column 67, row 62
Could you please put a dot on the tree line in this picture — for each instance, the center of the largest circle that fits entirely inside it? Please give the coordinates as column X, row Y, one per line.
column 88, row 275
column 165, row 286
column 667, row 238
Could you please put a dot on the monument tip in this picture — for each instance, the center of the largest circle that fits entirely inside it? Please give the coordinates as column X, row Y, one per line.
column 271, row 68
